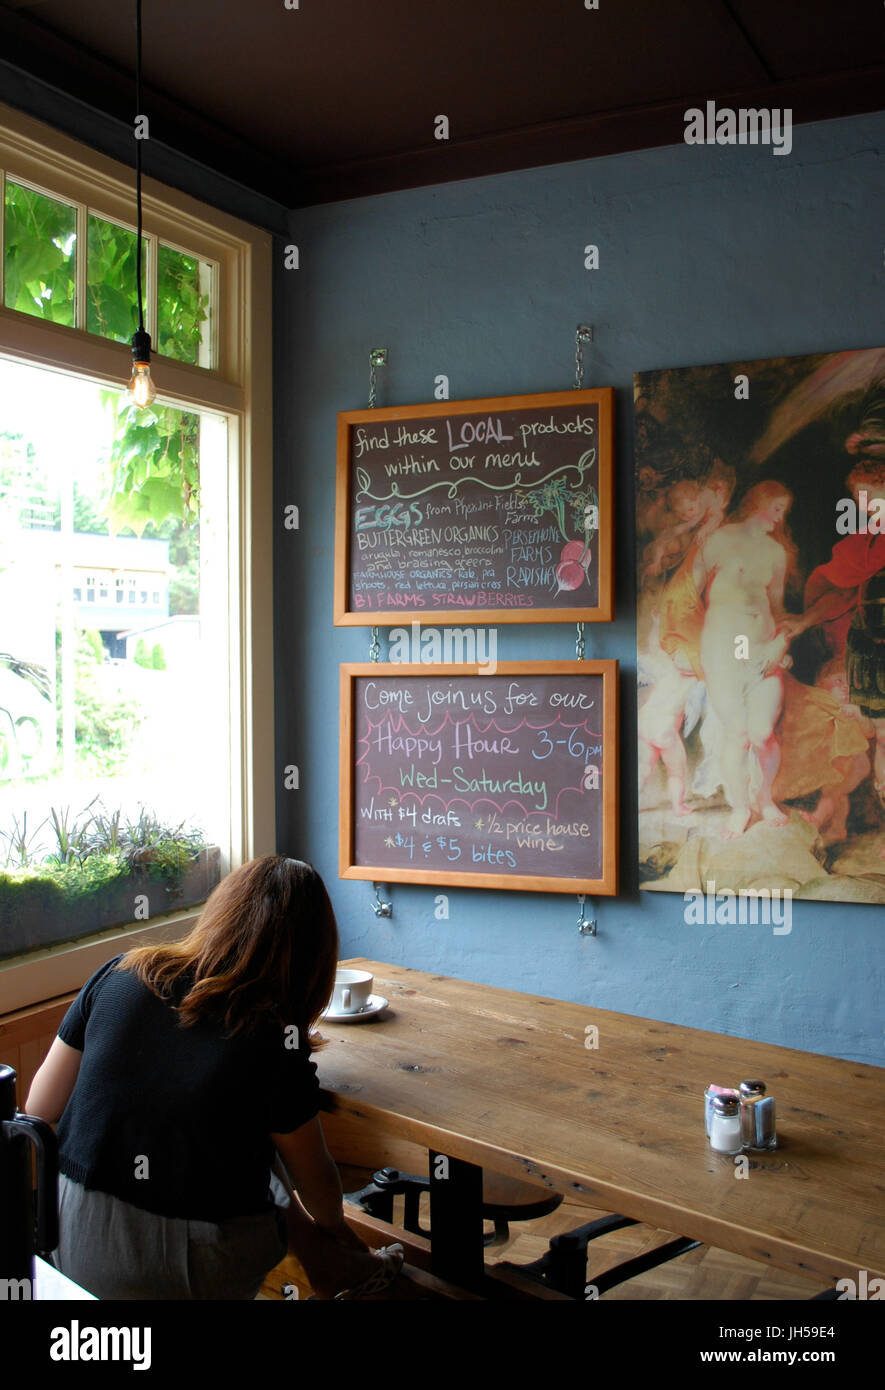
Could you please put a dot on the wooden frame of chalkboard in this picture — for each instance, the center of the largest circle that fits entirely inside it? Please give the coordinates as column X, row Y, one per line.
column 419, row 534
column 549, row 825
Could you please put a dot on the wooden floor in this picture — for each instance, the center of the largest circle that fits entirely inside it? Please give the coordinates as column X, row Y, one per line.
column 702, row 1274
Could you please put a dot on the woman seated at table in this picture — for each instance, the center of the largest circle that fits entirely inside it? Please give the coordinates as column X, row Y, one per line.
column 176, row 1073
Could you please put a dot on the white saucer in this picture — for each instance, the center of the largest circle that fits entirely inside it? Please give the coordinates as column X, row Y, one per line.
column 374, row 1005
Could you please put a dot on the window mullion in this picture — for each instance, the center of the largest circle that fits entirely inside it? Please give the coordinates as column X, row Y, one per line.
column 80, row 266
column 153, row 316
column 2, row 237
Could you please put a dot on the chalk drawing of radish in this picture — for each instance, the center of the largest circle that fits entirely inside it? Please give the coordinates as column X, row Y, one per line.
column 572, row 568
column 574, row 559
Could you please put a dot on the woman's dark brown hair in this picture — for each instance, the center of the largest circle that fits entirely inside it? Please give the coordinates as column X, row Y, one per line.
column 264, row 948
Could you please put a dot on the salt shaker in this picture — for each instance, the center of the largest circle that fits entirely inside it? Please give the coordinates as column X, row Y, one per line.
column 710, row 1092
column 757, row 1116
column 725, row 1124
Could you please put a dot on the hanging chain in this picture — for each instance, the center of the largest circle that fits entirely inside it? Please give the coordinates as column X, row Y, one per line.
column 377, row 358
column 579, row 642
column 583, row 334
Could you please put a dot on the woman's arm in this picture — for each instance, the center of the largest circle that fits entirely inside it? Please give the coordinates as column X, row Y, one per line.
column 54, row 1082
column 776, row 584
column 313, row 1173
column 832, row 604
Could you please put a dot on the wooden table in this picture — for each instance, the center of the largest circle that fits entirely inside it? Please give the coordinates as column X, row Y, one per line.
column 506, row 1081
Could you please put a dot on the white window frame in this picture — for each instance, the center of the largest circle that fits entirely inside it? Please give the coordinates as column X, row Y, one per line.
column 240, row 386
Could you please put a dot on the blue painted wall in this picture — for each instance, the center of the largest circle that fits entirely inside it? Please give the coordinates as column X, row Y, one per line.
column 706, row 255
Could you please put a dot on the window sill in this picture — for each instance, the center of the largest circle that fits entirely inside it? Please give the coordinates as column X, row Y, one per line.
column 44, row 975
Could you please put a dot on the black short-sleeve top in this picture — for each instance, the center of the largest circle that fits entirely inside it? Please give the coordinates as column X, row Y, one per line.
column 177, row 1120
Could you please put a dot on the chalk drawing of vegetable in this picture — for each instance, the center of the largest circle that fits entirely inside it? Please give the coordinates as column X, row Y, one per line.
column 574, row 559
column 582, row 510
column 572, row 568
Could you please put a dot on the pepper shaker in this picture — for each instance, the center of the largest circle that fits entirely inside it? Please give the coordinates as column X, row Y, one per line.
column 757, row 1116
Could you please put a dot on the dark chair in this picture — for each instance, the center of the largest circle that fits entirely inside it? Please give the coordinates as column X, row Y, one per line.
column 563, row 1266
column 521, row 1202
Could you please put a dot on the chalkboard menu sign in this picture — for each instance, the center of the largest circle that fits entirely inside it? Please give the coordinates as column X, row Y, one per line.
column 452, row 776
column 483, row 511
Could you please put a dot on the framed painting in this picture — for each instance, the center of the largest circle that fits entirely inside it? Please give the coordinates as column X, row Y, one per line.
column 760, row 519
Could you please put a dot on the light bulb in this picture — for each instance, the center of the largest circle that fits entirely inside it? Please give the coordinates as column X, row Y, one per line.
column 141, row 385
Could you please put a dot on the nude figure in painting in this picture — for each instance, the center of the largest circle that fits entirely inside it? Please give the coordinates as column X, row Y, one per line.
column 672, row 655
column 741, row 571
column 660, row 720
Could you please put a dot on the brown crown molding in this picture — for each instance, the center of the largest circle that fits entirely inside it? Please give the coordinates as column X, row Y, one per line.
column 582, row 137
column 76, row 71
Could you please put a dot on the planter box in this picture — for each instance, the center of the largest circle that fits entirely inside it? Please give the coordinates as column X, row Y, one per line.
column 36, row 913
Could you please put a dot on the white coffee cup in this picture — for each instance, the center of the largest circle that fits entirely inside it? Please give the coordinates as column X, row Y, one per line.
column 353, row 989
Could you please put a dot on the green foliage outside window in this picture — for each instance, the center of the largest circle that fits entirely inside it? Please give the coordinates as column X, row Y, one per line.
column 155, row 465
column 111, row 310
column 152, row 659
column 184, row 305
column 155, row 457
column 107, row 718
column 39, row 246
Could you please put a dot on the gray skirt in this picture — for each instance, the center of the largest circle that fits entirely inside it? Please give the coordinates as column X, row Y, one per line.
column 118, row 1251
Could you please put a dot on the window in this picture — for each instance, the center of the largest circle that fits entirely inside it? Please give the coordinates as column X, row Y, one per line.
column 110, row 270
column 185, row 290
column 46, row 253
column 67, row 251
column 39, row 276
column 86, row 744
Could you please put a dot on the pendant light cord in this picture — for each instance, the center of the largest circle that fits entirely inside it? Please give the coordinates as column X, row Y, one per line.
column 138, row 144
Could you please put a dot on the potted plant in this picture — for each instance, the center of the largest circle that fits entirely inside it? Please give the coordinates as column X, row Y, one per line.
column 101, row 871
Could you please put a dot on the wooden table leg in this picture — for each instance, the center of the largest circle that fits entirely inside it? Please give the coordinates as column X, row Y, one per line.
column 456, row 1220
